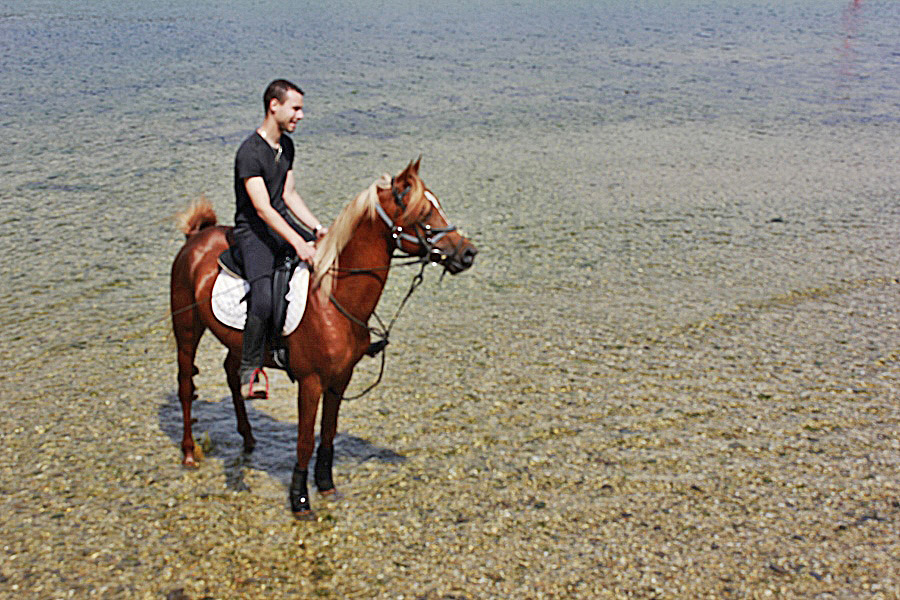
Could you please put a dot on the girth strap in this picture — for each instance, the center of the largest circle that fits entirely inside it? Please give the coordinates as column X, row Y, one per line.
column 281, row 281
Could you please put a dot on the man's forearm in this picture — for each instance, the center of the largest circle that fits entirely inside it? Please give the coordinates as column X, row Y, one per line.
column 297, row 206
column 256, row 189
column 274, row 220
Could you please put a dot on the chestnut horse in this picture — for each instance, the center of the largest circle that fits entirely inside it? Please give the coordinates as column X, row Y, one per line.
column 349, row 274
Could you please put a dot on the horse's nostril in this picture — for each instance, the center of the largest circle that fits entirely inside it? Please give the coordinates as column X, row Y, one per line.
column 468, row 256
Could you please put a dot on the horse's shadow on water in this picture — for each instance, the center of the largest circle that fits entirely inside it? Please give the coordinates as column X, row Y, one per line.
column 215, row 430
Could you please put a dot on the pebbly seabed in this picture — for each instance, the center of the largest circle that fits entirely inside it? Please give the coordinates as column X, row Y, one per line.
column 673, row 371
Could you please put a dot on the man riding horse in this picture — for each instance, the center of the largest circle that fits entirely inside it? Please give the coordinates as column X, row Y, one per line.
column 265, row 218
column 395, row 217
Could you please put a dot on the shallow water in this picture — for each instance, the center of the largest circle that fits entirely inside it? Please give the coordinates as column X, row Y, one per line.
column 116, row 114
column 633, row 174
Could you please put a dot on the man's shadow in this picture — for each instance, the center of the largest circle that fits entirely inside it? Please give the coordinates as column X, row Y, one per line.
column 215, row 430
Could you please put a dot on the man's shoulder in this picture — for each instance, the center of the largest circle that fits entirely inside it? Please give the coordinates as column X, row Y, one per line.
column 247, row 159
column 248, row 155
column 250, row 142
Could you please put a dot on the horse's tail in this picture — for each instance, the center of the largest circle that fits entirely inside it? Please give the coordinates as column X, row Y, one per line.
column 198, row 216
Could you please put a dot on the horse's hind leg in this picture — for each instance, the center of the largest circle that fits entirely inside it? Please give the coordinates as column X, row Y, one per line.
column 188, row 330
column 232, row 364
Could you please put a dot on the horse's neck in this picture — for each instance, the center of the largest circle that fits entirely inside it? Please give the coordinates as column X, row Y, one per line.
column 368, row 253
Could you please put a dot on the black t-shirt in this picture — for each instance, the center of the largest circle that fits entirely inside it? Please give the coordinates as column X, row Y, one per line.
column 256, row 158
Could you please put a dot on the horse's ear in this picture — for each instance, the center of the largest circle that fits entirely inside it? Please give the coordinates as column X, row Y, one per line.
column 412, row 169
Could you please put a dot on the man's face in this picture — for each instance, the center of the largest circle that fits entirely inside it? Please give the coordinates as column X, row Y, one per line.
column 289, row 112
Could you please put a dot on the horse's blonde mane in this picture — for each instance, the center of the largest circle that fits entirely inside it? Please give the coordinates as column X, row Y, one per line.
column 363, row 206
column 326, row 261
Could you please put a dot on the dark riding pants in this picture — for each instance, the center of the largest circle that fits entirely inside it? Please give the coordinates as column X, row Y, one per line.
column 259, row 251
column 258, row 255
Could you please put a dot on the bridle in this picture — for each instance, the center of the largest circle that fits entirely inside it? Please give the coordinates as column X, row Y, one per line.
column 425, row 236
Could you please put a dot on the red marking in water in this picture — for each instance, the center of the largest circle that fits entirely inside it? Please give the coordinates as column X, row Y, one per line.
column 851, row 21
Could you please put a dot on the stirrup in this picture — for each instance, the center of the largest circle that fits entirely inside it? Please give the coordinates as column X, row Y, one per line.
column 247, row 391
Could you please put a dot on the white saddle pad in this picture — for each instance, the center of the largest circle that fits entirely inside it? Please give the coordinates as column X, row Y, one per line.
column 228, row 291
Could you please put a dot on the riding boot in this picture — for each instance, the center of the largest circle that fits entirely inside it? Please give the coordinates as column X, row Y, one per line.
column 254, row 346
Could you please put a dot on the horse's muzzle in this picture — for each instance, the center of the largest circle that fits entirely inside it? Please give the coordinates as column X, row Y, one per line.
column 461, row 259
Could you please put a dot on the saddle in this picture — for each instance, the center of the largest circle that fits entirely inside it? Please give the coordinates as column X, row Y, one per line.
column 285, row 265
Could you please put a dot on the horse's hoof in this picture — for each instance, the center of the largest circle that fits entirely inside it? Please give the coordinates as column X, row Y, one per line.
column 190, row 463
column 331, row 496
column 249, row 446
column 304, row 515
column 325, row 486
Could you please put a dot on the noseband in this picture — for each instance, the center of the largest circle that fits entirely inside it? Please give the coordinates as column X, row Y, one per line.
column 425, row 237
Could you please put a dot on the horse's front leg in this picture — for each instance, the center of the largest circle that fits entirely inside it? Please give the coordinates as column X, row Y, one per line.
column 331, row 405
column 307, row 405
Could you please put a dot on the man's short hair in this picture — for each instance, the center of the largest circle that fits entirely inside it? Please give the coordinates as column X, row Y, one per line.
column 278, row 89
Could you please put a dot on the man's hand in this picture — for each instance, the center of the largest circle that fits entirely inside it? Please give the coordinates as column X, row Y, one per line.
column 305, row 252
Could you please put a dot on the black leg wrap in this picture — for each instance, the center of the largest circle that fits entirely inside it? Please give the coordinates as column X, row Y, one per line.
column 299, row 494
column 322, row 472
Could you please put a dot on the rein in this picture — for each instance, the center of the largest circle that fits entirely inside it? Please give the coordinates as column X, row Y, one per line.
column 425, row 237
column 384, row 332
